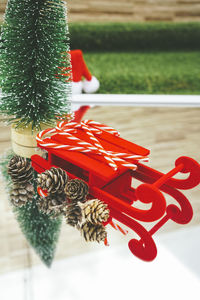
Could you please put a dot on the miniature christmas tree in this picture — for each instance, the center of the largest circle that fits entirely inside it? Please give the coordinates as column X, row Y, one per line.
column 33, row 49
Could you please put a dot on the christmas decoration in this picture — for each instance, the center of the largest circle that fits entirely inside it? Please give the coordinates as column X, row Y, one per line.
column 23, row 140
column 94, row 211
column 33, row 40
column 73, row 214
column 33, row 48
column 21, row 194
column 20, row 170
column 93, row 233
column 21, row 173
column 65, row 132
column 76, row 213
column 53, row 180
column 76, row 190
column 35, row 80
column 89, row 84
column 87, row 217
column 96, row 154
column 53, row 205
column 82, row 79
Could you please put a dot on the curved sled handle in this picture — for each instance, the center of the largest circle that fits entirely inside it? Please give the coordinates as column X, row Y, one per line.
column 183, row 164
column 144, row 248
column 189, row 166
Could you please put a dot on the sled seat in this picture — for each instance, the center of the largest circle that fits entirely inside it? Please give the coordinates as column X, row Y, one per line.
column 91, row 167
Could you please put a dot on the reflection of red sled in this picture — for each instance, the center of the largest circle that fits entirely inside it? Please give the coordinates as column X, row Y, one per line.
column 115, row 187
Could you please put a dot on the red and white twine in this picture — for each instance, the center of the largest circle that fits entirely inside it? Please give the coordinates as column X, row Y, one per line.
column 41, row 192
column 67, row 129
column 118, row 228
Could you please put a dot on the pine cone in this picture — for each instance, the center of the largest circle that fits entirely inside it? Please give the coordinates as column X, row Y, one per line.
column 21, row 194
column 94, row 211
column 73, row 215
column 93, row 233
column 53, row 180
column 20, row 170
column 76, row 190
column 53, row 204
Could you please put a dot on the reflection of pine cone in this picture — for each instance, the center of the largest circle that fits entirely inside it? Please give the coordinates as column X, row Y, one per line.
column 94, row 211
column 21, row 194
column 76, row 190
column 73, row 214
column 53, row 180
column 20, row 170
column 54, row 204
column 93, row 233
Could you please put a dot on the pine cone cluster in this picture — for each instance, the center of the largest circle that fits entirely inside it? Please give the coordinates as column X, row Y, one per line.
column 20, row 170
column 69, row 197
column 21, row 173
column 53, row 204
column 94, row 213
column 88, row 217
column 53, row 180
column 76, row 190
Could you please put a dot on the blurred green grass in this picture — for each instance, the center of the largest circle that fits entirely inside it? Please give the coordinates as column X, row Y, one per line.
column 143, row 58
column 146, row 73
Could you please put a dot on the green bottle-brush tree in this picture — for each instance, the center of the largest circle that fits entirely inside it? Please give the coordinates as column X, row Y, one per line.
column 33, row 49
column 33, row 46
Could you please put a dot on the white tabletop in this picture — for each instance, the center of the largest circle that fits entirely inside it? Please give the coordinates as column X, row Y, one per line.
column 114, row 273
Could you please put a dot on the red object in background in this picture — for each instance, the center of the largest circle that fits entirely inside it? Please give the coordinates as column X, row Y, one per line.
column 83, row 81
column 79, row 75
column 79, row 67
column 115, row 187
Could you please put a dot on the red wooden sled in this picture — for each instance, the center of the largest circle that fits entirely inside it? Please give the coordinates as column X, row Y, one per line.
column 115, row 188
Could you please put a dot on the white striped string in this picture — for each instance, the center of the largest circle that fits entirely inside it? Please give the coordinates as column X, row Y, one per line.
column 96, row 143
column 67, row 129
